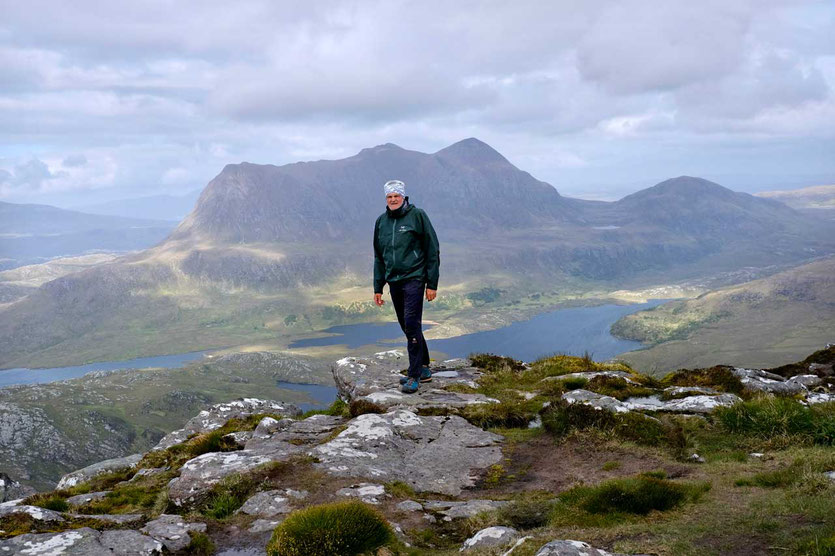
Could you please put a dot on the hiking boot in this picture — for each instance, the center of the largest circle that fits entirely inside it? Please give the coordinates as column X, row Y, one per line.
column 425, row 376
column 411, row 386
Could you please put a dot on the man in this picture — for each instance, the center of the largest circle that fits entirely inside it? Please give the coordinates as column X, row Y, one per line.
column 407, row 257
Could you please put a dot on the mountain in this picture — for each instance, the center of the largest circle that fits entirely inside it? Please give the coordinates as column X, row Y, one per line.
column 765, row 322
column 160, row 207
column 466, row 188
column 267, row 247
column 35, row 233
column 700, row 207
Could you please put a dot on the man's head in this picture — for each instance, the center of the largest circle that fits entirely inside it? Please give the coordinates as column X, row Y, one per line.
column 395, row 194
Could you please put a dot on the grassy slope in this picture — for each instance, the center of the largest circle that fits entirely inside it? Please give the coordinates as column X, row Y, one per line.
column 763, row 323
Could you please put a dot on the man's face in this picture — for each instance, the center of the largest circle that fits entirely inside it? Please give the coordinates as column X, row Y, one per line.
column 394, row 200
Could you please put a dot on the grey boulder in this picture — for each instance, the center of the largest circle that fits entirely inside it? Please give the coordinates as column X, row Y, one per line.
column 217, row 415
column 376, row 379
column 83, row 542
column 267, row 504
column 491, row 537
column 431, row 454
column 172, row 531
column 12, row 490
column 82, row 475
column 572, row 548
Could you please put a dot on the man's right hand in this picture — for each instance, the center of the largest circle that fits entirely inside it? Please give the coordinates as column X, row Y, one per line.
column 378, row 299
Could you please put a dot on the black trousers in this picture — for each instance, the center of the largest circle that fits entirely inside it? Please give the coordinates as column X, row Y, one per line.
column 407, row 298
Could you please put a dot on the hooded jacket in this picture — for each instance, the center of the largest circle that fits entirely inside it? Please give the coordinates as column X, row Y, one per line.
column 405, row 247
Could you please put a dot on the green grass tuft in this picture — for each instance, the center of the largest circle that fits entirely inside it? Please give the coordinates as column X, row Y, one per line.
column 771, row 417
column 200, row 545
column 340, row 528
column 361, row 407
column 228, row 495
column 528, row 512
column 617, row 387
column 719, row 377
column 638, row 495
column 492, row 363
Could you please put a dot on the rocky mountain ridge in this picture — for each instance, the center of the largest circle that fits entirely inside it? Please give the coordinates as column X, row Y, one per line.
column 439, row 469
column 261, row 234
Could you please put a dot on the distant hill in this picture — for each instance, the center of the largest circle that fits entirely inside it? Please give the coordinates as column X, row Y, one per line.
column 35, row 233
column 766, row 322
column 815, row 197
column 158, row 207
column 266, row 243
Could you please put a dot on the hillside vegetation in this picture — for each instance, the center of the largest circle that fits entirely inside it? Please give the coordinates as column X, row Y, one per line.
column 766, row 322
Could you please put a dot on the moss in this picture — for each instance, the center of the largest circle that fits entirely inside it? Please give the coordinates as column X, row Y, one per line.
column 494, row 476
column 492, row 363
column 617, row 387
column 637, row 495
column 719, row 377
column 399, row 489
column 200, row 545
column 337, row 409
column 574, row 383
column 558, row 365
column 611, row 466
column 527, row 512
column 511, row 413
column 561, row 417
column 340, row 528
column 361, row 407
column 12, row 525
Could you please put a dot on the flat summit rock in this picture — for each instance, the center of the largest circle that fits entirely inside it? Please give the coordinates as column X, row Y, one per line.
column 431, row 454
column 377, row 379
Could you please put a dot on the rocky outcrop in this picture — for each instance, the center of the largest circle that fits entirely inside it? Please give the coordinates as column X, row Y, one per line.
column 84, row 542
column 87, row 473
column 13, row 490
column 491, row 537
column 377, row 379
column 217, row 415
column 572, row 548
column 431, row 454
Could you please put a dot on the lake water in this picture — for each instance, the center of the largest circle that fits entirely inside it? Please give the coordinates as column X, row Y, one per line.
column 572, row 331
column 39, row 376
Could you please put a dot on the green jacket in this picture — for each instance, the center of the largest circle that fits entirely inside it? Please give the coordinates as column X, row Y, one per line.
column 405, row 247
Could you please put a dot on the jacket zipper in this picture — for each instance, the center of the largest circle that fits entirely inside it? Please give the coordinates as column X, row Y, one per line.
column 393, row 251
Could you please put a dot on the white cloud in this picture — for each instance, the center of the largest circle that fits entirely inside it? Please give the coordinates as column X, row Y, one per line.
column 160, row 95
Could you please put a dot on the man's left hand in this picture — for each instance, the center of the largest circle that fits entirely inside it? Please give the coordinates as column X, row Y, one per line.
column 430, row 294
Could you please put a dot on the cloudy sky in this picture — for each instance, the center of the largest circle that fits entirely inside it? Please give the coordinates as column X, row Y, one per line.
column 108, row 100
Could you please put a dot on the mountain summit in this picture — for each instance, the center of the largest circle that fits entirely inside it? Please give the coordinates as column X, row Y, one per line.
column 466, row 187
